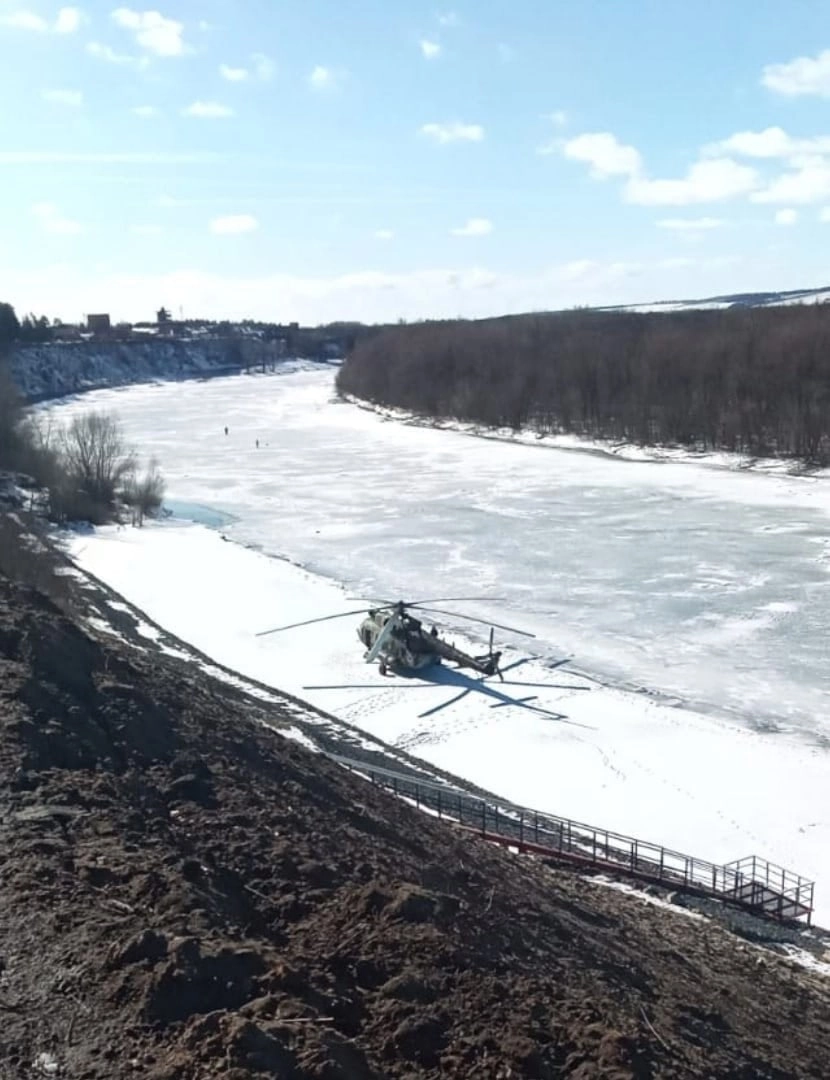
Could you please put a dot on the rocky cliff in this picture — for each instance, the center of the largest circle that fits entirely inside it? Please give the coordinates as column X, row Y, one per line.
column 53, row 370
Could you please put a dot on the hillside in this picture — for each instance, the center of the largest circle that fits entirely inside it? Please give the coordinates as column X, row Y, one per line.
column 54, row 370
column 187, row 894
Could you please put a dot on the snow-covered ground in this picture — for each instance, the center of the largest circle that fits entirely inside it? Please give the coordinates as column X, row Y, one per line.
column 688, row 603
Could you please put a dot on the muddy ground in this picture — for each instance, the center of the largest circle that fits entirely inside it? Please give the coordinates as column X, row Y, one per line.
column 186, row 895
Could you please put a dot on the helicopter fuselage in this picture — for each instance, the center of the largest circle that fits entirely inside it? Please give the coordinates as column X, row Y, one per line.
column 398, row 640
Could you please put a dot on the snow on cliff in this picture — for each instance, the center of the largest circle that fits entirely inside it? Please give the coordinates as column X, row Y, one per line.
column 54, row 370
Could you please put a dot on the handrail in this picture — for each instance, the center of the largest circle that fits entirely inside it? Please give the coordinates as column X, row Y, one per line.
column 750, row 882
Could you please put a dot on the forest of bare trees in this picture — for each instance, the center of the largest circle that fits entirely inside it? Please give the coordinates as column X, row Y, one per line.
column 751, row 380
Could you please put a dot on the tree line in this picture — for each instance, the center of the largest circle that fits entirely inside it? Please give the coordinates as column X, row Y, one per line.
column 750, row 380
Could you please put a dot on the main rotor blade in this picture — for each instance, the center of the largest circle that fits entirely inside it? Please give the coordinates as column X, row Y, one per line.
column 486, row 622
column 308, row 622
column 455, row 600
column 420, row 603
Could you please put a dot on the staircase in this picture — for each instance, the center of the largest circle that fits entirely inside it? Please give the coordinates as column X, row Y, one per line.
column 751, row 883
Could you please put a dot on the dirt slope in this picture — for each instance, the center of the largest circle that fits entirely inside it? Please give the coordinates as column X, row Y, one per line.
column 185, row 894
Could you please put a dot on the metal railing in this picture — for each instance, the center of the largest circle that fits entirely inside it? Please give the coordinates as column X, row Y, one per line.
column 751, row 882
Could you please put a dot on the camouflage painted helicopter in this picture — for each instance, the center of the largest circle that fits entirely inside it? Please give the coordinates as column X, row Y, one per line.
column 398, row 639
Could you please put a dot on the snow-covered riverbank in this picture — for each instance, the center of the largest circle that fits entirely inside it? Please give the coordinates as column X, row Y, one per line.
column 689, row 604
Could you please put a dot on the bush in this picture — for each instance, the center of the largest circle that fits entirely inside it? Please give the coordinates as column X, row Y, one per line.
column 95, row 463
column 144, row 495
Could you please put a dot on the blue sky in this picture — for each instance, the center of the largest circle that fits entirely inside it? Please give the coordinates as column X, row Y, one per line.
column 370, row 159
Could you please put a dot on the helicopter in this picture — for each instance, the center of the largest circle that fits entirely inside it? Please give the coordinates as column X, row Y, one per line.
column 398, row 639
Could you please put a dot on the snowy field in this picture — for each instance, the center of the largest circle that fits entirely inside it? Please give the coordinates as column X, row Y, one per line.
column 679, row 689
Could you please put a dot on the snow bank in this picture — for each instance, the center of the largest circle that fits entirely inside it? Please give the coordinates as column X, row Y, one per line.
column 545, row 737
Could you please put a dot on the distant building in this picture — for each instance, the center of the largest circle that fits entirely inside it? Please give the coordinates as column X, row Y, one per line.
column 98, row 324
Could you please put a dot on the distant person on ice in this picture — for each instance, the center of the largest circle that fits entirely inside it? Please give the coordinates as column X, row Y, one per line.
column 226, row 431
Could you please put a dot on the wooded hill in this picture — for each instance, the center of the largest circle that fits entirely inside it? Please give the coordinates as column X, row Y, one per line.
column 751, row 380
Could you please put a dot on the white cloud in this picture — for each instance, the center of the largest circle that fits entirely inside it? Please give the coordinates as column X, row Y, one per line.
column 447, row 133
column 474, row 227
column 804, row 75
column 233, row 224
column 824, row 214
column 383, row 234
column 706, row 181
column 430, row 49
column 808, row 178
column 146, row 112
column 208, row 110
column 786, row 217
column 605, row 154
column 73, row 98
column 25, row 20
column 772, row 142
column 559, row 119
column 448, row 18
column 53, row 222
column 68, row 21
column 691, row 224
column 233, row 74
column 106, row 52
column 709, row 180
column 810, row 183
column 323, row 78
column 153, row 32
column 264, row 67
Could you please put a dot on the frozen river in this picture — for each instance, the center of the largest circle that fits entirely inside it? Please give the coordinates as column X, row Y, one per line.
column 708, row 586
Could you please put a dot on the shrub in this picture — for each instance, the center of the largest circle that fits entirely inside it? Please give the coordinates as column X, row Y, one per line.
column 144, row 495
column 95, row 463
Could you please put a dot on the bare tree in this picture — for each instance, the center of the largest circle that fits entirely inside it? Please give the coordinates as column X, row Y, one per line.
column 96, row 461
column 144, row 494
